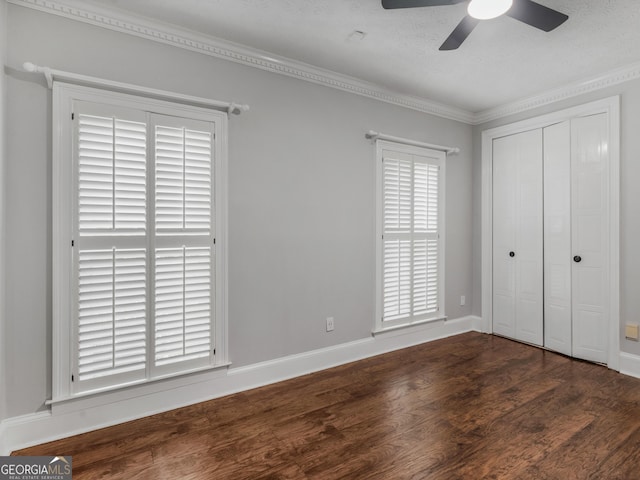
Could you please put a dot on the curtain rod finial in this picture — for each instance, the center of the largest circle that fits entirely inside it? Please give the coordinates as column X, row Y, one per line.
column 371, row 135
column 237, row 109
column 33, row 68
column 30, row 67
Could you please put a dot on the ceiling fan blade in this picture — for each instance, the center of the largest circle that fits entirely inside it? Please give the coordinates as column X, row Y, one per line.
column 460, row 33
column 417, row 3
column 536, row 15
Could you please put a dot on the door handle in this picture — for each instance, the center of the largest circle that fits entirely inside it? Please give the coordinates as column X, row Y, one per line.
column 512, row 254
column 577, row 259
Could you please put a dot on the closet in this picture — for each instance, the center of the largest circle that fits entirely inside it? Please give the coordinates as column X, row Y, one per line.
column 550, row 232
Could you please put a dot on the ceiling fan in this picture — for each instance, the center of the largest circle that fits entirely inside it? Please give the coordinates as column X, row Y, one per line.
column 527, row 11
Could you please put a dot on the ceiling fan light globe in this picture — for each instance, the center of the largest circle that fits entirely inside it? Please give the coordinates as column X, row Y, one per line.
column 487, row 9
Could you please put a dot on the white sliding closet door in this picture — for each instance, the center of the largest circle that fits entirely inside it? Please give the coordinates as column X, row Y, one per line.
column 517, row 237
column 590, row 236
column 557, row 237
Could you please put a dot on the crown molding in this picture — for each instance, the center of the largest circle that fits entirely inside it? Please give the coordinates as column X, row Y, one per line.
column 609, row 79
column 215, row 47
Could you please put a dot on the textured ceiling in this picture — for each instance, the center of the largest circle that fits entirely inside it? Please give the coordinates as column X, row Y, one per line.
column 503, row 60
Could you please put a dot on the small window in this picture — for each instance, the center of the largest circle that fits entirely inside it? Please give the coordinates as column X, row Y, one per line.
column 410, row 235
column 139, row 210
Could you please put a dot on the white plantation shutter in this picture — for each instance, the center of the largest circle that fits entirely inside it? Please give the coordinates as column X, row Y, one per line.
column 110, row 259
column 144, row 246
column 397, row 195
column 397, row 278
column 425, row 237
column 183, row 304
column 410, row 248
column 112, row 175
column 183, row 179
column 112, row 312
column 184, row 258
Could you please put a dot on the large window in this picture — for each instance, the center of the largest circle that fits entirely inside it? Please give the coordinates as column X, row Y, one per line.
column 139, row 220
column 410, row 234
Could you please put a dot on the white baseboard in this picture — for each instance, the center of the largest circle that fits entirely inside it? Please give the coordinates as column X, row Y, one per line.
column 478, row 324
column 17, row 427
column 97, row 412
column 630, row 364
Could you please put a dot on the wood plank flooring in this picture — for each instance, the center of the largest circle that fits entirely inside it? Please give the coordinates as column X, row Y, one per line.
column 472, row 406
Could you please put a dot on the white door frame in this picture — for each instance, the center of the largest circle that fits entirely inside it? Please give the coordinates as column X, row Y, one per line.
column 611, row 107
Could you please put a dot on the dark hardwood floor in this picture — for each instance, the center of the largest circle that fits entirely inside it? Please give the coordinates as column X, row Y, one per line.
column 472, row 406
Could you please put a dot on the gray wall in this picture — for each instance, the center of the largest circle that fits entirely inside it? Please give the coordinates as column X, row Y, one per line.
column 3, row 51
column 629, row 197
column 301, row 195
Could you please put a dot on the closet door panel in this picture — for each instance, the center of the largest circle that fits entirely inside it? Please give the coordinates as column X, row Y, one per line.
column 529, row 260
column 517, row 236
column 557, row 237
column 504, row 237
column 590, row 240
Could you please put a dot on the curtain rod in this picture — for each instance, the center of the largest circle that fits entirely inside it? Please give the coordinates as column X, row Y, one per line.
column 51, row 75
column 382, row 136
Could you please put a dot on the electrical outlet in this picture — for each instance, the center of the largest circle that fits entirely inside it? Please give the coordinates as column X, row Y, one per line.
column 330, row 324
column 463, row 301
column 631, row 331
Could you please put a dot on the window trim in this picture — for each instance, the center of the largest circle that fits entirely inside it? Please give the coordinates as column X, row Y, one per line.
column 64, row 95
column 381, row 146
